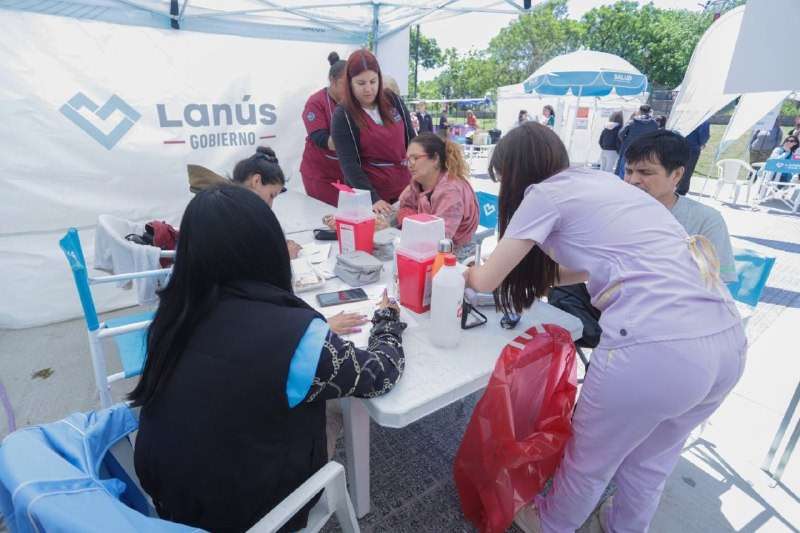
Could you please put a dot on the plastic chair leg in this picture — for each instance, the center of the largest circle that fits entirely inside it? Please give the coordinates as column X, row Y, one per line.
column 99, row 368
column 339, row 499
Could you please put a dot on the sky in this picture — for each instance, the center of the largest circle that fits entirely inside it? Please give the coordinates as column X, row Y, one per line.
column 476, row 30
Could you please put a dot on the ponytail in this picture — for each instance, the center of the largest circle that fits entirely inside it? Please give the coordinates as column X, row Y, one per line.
column 454, row 162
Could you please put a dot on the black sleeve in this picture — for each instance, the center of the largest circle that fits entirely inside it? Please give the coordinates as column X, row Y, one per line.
column 320, row 138
column 345, row 137
column 623, row 133
column 345, row 370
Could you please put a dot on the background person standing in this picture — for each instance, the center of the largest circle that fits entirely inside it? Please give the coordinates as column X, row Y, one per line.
column 444, row 123
column 371, row 131
column 609, row 142
column 763, row 142
column 638, row 126
column 425, row 120
column 697, row 141
column 320, row 166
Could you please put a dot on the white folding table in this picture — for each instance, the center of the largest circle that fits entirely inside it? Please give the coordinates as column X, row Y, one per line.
column 433, row 377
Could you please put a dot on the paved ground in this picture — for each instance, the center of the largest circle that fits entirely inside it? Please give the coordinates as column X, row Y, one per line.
column 716, row 487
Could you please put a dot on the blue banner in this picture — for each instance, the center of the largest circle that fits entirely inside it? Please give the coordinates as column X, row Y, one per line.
column 787, row 166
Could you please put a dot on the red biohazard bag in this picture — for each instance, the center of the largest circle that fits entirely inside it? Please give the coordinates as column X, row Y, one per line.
column 516, row 436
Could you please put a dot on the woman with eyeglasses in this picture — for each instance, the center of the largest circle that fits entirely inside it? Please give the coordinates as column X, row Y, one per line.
column 440, row 186
column 672, row 346
column 371, row 130
column 785, row 151
column 239, row 369
column 320, row 166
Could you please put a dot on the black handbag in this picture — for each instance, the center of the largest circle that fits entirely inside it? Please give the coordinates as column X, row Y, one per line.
column 575, row 300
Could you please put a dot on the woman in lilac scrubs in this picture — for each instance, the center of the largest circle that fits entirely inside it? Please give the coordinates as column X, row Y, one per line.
column 672, row 347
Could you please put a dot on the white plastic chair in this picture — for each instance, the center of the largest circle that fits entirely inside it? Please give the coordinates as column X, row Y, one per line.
column 330, row 478
column 786, row 192
column 728, row 171
column 334, row 501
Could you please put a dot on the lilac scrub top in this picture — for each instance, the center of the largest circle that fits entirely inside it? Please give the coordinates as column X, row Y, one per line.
column 642, row 275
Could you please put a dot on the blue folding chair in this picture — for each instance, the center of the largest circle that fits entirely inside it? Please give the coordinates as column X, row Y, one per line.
column 487, row 222
column 752, row 272
column 78, row 474
column 128, row 332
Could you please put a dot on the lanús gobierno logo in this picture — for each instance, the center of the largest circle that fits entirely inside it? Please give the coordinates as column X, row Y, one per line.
column 242, row 113
column 94, row 120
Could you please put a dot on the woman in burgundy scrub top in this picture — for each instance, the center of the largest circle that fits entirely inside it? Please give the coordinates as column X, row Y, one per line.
column 320, row 166
column 371, row 130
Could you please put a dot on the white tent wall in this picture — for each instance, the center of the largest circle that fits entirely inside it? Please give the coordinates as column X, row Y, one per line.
column 393, row 57
column 703, row 88
column 103, row 118
column 756, row 64
column 752, row 107
column 583, row 144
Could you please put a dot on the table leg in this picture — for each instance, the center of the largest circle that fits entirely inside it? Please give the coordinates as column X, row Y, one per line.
column 787, row 452
column 356, row 445
column 776, row 442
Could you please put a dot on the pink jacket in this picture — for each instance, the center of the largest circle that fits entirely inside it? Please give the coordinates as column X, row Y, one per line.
column 451, row 199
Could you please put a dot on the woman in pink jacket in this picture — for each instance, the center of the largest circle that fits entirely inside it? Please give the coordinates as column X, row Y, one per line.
column 440, row 186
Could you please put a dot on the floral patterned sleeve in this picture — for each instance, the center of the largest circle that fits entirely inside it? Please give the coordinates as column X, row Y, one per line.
column 344, row 370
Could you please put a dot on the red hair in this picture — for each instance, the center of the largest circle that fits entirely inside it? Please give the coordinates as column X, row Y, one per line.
column 358, row 62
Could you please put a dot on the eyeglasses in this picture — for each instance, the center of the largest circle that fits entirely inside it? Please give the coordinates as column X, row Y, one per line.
column 414, row 158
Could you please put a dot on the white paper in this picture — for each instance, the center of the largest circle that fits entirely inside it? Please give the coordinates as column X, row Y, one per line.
column 315, row 253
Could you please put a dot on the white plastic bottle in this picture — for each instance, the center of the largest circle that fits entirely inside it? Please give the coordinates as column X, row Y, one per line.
column 446, row 301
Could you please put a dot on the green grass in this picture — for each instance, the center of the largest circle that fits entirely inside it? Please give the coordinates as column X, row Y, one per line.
column 737, row 150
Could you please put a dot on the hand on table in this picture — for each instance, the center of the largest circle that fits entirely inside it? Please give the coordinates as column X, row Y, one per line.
column 382, row 208
column 345, row 323
column 294, row 249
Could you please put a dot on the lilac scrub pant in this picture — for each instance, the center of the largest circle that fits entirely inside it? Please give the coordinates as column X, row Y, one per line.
column 635, row 411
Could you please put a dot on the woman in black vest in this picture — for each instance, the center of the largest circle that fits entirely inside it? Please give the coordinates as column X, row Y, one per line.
column 238, row 370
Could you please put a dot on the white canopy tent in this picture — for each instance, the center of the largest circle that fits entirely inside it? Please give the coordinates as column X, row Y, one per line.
column 732, row 60
column 103, row 103
column 584, row 88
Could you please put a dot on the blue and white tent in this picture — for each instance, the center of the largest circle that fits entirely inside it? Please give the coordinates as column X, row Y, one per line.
column 584, row 88
column 586, row 73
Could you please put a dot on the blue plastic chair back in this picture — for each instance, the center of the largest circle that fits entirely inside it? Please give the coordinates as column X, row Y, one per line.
column 752, row 272
column 487, row 205
column 60, row 477
column 71, row 246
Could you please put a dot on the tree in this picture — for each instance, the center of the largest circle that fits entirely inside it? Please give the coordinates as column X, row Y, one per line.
column 430, row 55
column 659, row 42
column 469, row 76
column 533, row 39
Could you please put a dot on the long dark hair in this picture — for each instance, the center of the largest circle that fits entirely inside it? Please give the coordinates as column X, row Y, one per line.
column 528, row 154
column 227, row 234
column 358, row 62
column 264, row 163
